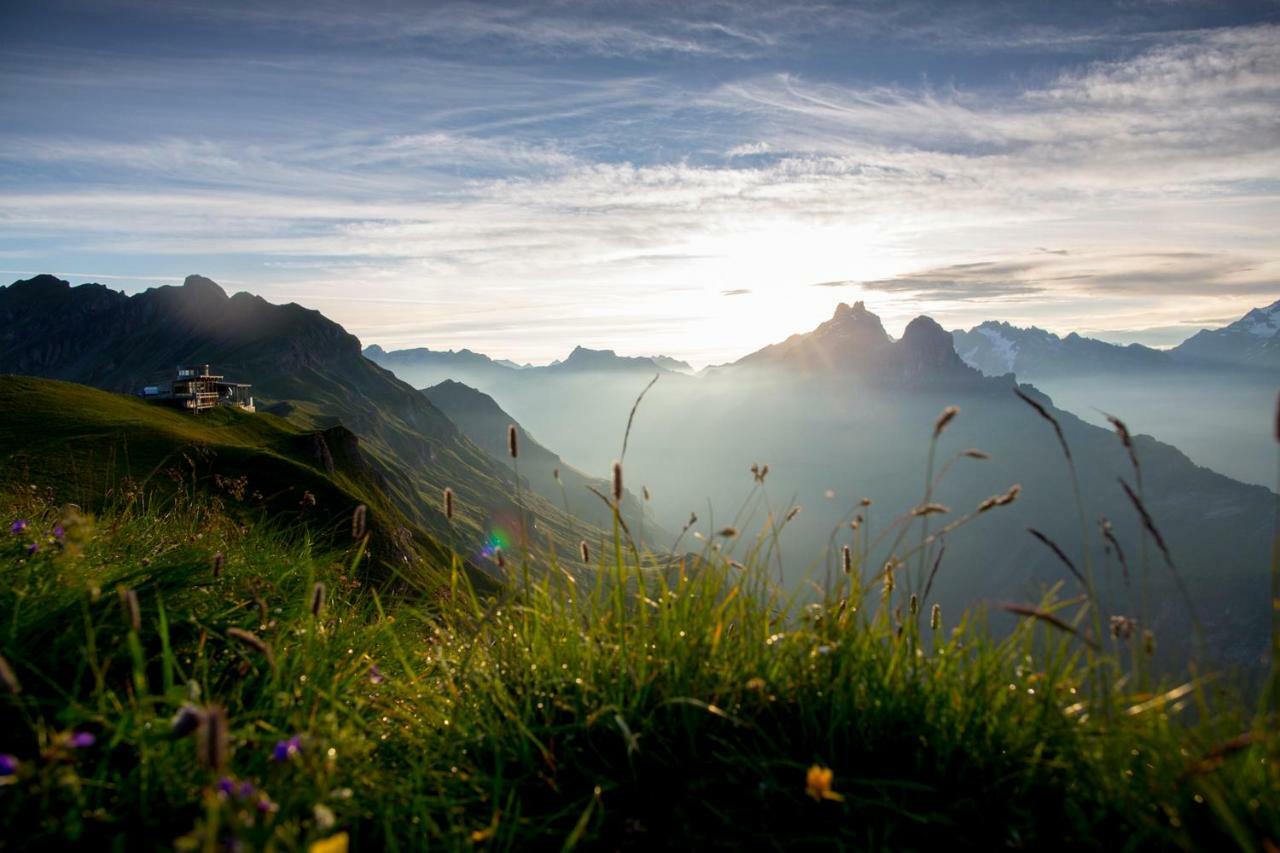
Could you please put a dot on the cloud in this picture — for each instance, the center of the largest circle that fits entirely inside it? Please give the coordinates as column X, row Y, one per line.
column 748, row 149
column 1141, row 182
column 963, row 282
column 1085, row 275
column 737, row 291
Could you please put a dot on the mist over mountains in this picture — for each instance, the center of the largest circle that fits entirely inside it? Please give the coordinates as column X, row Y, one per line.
column 1211, row 396
column 845, row 411
column 838, row 414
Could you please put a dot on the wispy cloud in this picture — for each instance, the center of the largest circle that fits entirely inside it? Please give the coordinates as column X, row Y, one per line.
column 431, row 179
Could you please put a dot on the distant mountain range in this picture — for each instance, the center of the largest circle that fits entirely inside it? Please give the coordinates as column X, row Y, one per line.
column 845, row 410
column 838, row 413
column 1251, row 343
column 423, row 367
column 1212, row 396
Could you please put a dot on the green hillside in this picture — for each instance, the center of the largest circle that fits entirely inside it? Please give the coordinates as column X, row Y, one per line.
column 302, row 366
column 99, row 449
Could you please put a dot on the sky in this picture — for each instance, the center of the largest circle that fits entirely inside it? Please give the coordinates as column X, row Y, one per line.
column 696, row 179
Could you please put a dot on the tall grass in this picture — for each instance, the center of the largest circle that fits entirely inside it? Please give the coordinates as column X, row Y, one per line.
column 246, row 688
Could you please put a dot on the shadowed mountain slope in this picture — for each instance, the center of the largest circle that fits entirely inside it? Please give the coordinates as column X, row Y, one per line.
column 484, row 422
column 301, row 364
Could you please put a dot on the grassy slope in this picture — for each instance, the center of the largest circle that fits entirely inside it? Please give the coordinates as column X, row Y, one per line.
column 686, row 716
column 92, row 447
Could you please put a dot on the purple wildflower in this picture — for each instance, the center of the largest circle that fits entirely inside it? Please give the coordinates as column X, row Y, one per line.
column 8, row 765
column 33, row 548
column 247, row 790
column 186, row 721
column 18, row 526
column 59, row 533
column 266, row 806
column 287, row 749
column 226, row 787
column 80, row 740
column 375, row 675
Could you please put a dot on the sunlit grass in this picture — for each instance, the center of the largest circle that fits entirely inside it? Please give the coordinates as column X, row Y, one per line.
column 618, row 704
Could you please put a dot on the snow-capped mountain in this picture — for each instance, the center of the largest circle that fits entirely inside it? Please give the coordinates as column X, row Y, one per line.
column 1252, row 341
column 998, row 348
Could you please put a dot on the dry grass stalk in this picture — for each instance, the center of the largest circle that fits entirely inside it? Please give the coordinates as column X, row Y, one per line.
column 1126, row 439
column 253, row 641
column 1109, row 537
column 132, row 611
column 213, row 738
column 317, row 598
column 1049, row 619
column 1147, row 521
column 1060, row 554
column 8, row 677
column 931, row 509
column 1044, row 413
column 933, row 572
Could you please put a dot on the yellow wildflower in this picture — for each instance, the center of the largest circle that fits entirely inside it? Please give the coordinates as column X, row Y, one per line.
column 818, row 784
column 333, row 844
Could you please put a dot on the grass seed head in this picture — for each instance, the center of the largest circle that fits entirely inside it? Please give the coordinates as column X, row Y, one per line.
column 846, row 559
column 217, row 564
column 935, row 617
column 448, row 503
column 252, row 641
column 358, row 521
column 584, row 551
column 617, row 483
column 513, row 444
column 947, row 416
column 317, row 598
